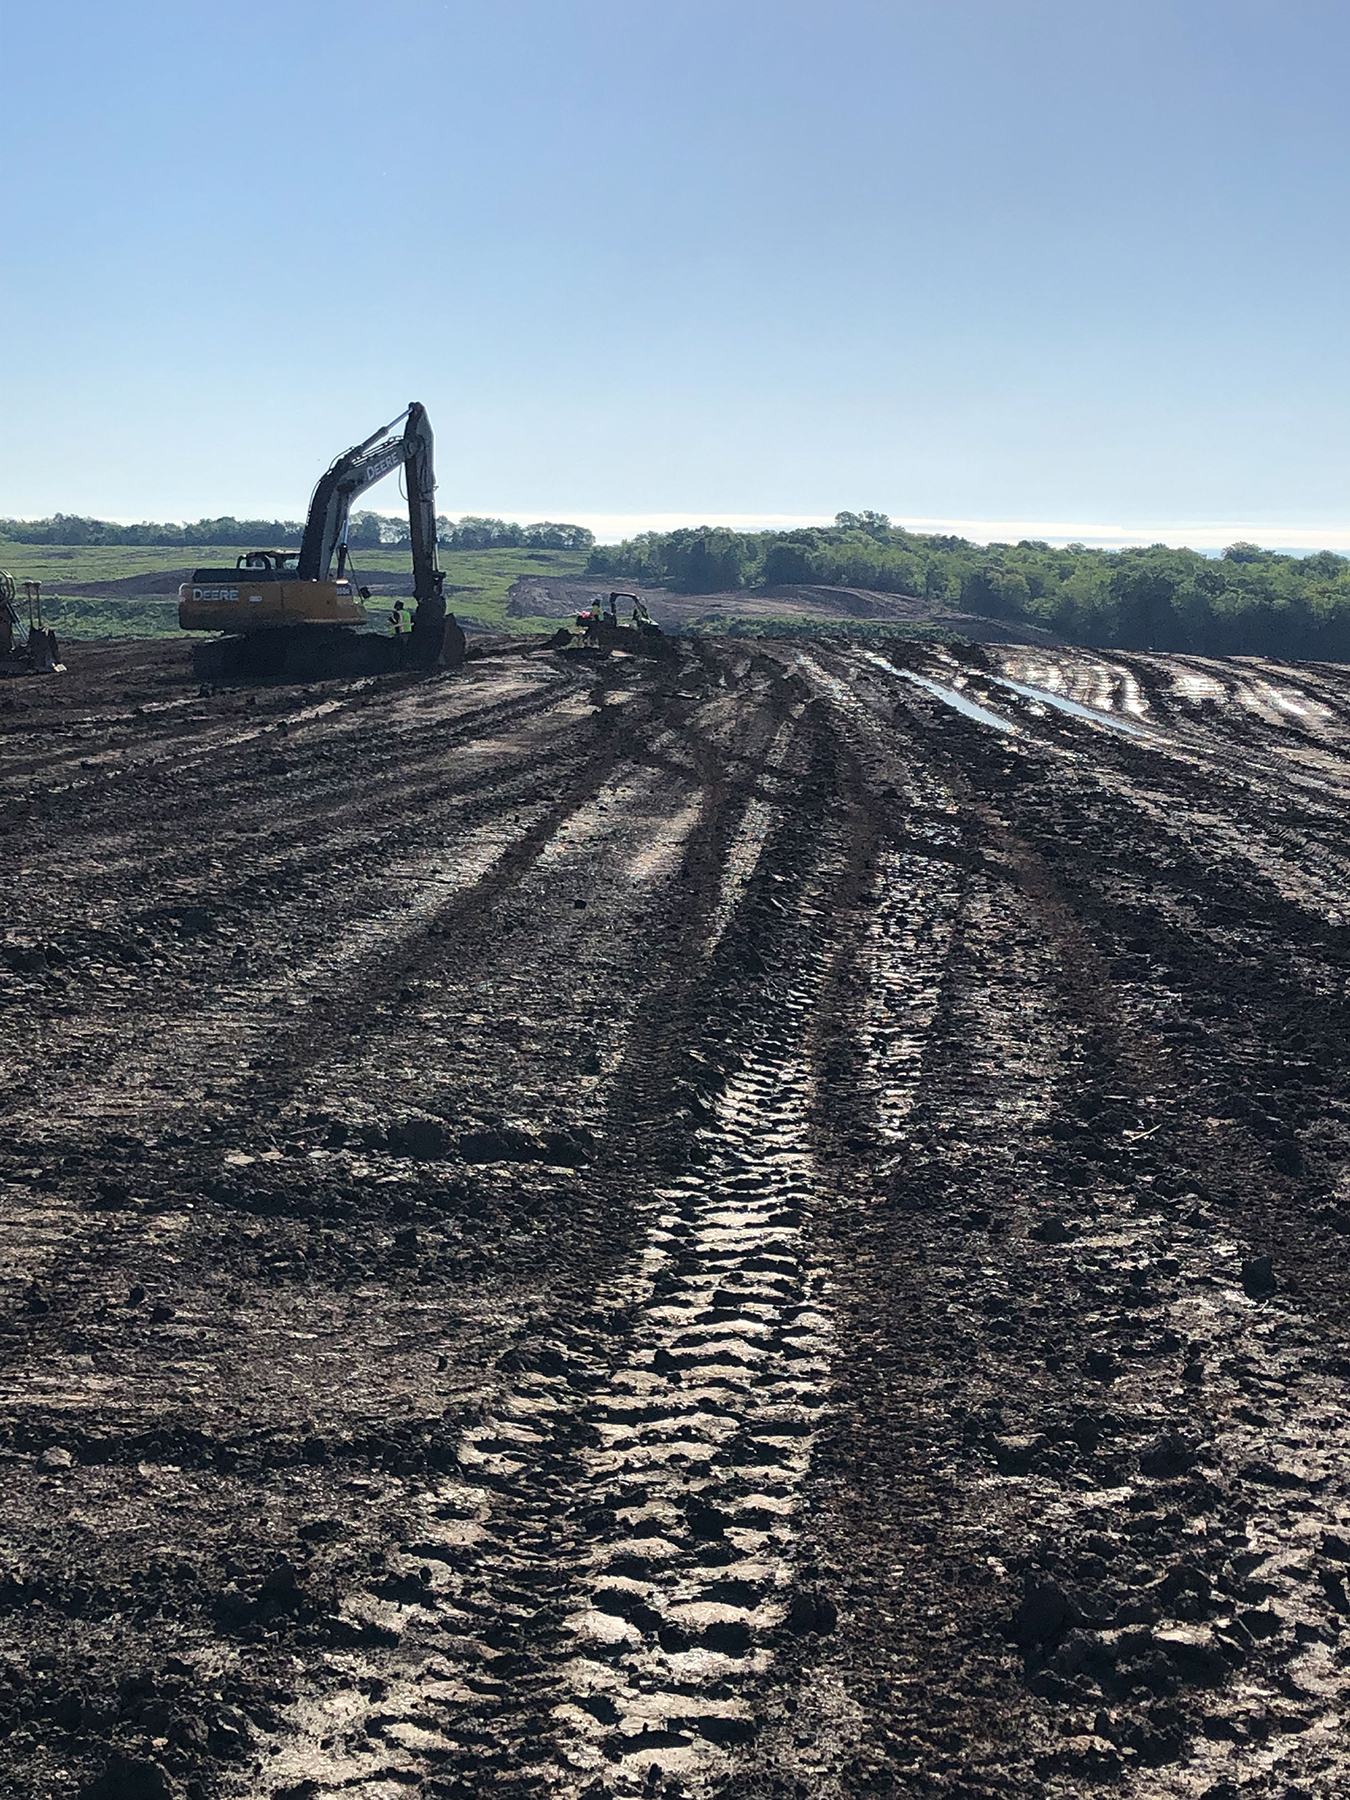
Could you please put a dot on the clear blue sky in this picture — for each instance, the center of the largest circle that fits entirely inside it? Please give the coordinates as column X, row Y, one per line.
column 1041, row 260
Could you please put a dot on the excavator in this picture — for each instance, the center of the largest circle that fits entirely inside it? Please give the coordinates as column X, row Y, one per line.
column 291, row 611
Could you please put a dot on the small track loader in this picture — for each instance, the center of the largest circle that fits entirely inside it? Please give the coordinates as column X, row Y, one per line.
column 603, row 630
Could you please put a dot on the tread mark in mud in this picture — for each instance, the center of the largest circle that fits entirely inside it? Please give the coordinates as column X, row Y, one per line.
column 706, row 1434
column 904, row 958
column 1070, row 1056
column 654, row 1522
column 622, row 1563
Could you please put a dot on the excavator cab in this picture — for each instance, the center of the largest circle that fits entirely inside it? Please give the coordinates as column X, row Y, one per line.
column 264, row 592
column 275, row 562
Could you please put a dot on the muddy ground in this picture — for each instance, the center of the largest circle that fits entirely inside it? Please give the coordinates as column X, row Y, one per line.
column 726, row 1227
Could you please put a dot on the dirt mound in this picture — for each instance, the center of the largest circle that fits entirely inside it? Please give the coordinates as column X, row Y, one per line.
column 553, row 598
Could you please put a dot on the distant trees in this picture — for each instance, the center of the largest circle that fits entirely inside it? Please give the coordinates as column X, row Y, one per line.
column 704, row 560
column 549, row 534
column 365, row 531
column 877, row 524
column 376, row 531
column 1249, row 600
column 73, row 528
column 475, row 533
column 847, row 556
column 997, row 591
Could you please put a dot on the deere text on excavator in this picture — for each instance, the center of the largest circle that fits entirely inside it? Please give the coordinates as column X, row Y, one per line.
column 290, row 611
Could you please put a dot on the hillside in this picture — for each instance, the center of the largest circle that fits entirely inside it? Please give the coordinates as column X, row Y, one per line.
column 792, row 608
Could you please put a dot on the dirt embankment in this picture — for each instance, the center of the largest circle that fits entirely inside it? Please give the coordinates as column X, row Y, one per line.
column 772, row 1224
column 535, row 596
column 156, row 581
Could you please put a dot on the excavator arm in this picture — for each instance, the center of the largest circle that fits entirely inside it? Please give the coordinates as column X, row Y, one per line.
column 428, row 629
column 350, row 475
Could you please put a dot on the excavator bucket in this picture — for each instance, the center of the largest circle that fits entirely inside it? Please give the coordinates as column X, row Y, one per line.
column 427, row 637
column 44, row 655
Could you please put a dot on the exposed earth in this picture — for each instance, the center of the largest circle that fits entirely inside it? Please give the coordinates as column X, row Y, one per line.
column 813, row 605
column 722, row 1227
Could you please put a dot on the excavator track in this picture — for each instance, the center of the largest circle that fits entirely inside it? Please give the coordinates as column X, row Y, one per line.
column 316, row 652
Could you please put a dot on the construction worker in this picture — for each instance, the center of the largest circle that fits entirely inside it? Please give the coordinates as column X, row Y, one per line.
column 400, row 620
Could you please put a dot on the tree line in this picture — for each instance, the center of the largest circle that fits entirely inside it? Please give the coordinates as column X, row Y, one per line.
column 1248, row 601
column 366, row 531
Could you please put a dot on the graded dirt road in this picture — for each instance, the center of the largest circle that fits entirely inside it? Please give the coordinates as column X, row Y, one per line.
column 774, row 1223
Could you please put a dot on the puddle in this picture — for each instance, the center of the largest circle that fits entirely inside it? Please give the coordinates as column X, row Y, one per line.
column 1074, row 708
column 949, row 696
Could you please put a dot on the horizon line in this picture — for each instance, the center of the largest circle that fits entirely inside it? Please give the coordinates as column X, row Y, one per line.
column 1194, row 534
column 1203, row 535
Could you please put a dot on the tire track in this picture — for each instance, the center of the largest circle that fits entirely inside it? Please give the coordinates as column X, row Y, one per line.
column 634, row 1547
column 705, row 1436
column 241, row 1015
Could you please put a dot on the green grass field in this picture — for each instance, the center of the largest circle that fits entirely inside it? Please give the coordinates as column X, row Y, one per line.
column 56, row 563
column 81, row 620
column 477, row 583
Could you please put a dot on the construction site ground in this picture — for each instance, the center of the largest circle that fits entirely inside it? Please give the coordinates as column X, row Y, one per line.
column 795, row 607
column 767, row 1223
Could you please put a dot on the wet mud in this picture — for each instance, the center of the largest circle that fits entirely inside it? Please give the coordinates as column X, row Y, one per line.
column 770, row 1224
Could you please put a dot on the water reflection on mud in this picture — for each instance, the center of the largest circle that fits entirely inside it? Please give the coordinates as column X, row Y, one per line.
column 1074, row 707
column 949, row 696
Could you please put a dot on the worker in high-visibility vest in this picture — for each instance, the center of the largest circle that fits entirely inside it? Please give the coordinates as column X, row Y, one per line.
column 400, row 620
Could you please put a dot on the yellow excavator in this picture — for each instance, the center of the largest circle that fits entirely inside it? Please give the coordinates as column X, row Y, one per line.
column 288, row 609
